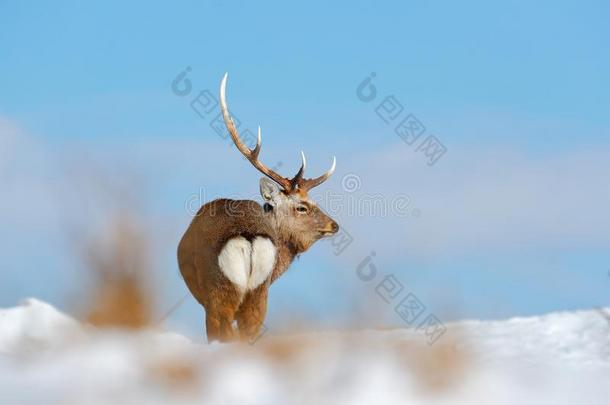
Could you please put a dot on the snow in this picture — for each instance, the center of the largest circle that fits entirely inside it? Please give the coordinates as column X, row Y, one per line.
column 33, row 326
column 559, row 358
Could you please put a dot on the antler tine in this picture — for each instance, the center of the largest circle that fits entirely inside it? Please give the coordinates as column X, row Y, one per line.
column 251, row 155
column 308, row 184
column 298, row 178
column 257, row 148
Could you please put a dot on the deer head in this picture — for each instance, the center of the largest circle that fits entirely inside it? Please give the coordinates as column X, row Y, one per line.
column 297, row 219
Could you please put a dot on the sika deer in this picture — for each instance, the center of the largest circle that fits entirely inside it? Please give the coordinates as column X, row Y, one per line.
column 234, row 249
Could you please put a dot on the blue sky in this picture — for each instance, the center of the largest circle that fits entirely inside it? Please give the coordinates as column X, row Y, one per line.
column 513, row 216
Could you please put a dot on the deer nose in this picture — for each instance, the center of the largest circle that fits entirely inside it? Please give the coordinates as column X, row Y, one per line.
column 331, row 228
column 334, row 227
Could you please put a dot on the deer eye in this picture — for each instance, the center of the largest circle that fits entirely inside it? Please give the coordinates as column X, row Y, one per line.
column 302, row 209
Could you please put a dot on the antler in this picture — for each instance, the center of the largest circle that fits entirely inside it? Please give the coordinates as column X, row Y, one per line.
column 298, row 182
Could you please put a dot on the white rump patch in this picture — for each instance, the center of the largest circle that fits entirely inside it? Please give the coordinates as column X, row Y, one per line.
column 247, row 265
column 263, row 261
column 234, row 261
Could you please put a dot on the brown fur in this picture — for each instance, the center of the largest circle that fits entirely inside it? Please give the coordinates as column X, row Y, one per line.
column 291, row 231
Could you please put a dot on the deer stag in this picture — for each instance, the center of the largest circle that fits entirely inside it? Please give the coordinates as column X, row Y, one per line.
column 234, row 249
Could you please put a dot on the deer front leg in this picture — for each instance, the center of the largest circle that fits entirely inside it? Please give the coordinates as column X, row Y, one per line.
column 251, row 313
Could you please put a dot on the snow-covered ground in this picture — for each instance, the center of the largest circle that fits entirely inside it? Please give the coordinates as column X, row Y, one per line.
column 560, row 358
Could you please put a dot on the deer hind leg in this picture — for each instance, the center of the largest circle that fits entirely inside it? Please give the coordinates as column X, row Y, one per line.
column 219, row 323
column 220, row 312
column 251, row 313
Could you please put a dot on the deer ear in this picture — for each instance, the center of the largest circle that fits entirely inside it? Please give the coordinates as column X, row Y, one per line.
column 270, row 191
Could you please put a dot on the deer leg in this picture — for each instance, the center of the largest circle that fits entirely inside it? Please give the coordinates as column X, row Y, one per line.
column 219, row 326
column 251, row 313
column 219, row 322
column 212, row 326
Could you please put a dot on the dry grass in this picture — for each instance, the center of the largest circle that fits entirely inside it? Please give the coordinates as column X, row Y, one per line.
column 120, row 295
column 103, row 215
column 436, row 368
column 176, row 373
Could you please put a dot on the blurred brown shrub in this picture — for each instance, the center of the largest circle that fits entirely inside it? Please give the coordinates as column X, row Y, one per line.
column 120, row 295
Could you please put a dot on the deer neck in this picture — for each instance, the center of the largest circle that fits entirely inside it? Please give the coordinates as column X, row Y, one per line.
column 287, row 246
column 285, row 257
column 286, row 235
